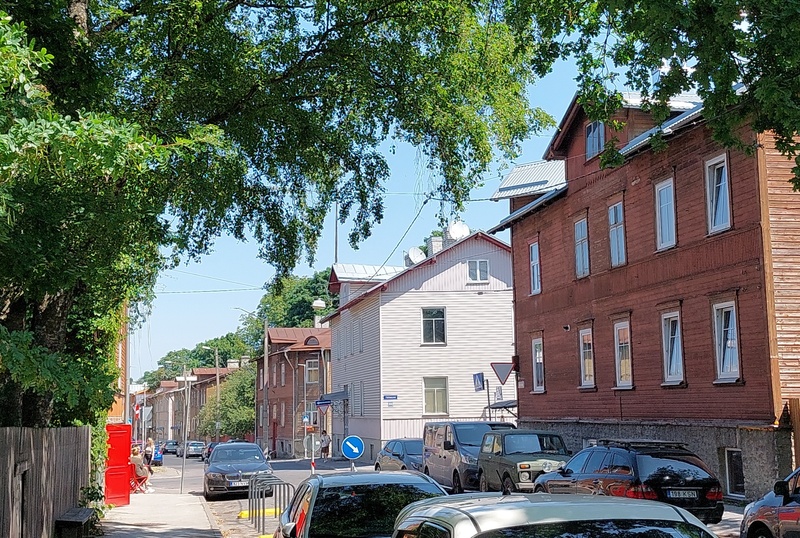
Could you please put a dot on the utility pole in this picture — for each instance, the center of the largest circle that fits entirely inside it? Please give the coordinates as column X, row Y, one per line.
column 187, row 385
column 216, row 417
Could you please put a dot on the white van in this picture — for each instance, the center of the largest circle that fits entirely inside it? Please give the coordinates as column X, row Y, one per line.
column 450, row 453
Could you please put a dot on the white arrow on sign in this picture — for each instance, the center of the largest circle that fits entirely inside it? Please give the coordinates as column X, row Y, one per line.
column 353, row 447
column 502, row 370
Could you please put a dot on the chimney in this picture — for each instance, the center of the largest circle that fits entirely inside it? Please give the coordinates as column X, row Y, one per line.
column 435, row 245
column 233, row 364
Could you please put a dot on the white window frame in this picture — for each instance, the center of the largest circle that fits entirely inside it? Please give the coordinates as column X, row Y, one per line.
column 616, row 234
column 581, row 247
column 618, row 358
column 587, row 358
column 274, row 411
column 313, row 414
column 434, row 321
column 477, row 264
column 348, row 337
column 713, row 195
column 283, row 414
column 311, row 365
column 536, row 269
column 435, row 391
column 537, row 363
column 274, row 374
column 261, row 415
column 283, row 374
column 672, row 347
column 595, row 138
column 662, row 242
column 729, row 371
column 360, row 335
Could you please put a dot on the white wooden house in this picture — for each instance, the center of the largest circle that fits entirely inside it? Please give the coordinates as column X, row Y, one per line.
column 406, row 341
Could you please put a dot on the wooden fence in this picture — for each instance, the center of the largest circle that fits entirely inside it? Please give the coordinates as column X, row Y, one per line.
column 42, row 472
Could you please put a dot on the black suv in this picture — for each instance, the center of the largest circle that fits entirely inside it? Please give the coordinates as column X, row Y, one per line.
column 641, row 469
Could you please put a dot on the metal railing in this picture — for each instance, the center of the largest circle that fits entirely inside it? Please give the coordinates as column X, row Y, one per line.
column 263, row 487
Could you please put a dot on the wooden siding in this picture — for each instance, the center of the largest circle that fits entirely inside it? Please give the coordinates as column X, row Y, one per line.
column 478, row 332
column 44, row 472
column 700, row 270
column 784, row 226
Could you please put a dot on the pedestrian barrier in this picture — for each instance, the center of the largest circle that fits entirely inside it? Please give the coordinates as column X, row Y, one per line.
column 261, row 488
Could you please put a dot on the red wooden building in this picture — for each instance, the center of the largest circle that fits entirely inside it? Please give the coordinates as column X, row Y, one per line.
column 660, row 299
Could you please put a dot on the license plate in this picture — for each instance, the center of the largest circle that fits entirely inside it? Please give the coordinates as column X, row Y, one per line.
column 238, row 484
column 681, row 494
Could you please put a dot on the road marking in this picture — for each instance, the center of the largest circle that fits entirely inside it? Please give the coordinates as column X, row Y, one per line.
column 271, row 512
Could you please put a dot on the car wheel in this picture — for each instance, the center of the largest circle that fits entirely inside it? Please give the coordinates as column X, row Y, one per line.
column 377, row 466
column 508, row 485
column 759, row 532
column 207, row 495
column 483, row 485
column 457, row 487
column 403, row 468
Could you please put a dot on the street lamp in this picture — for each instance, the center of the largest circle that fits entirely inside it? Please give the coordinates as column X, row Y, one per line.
column 187, row 380
column 216, row 413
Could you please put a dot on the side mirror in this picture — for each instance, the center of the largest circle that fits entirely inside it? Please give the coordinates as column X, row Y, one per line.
column 448, row 445
column 563, row 471
column 781, row 489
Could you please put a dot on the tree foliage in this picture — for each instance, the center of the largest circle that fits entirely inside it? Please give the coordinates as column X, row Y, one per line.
column 741, row 57
column 237, row 405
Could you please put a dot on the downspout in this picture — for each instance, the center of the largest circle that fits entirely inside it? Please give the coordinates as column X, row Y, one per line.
column 294, row 402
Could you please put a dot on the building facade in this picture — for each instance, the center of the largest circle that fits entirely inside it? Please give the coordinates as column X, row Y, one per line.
column 407, row 341
column 658, row 299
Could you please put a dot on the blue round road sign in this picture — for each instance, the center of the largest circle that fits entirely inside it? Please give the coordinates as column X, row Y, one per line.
column 352, row 447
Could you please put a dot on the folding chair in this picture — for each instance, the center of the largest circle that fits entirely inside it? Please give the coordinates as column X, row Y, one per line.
column 138, row 483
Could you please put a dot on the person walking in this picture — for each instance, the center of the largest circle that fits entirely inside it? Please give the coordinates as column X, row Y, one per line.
column 324, row 445
column 149, row 450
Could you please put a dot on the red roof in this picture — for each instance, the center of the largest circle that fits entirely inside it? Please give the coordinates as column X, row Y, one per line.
column 212, row 371
column 295, row 335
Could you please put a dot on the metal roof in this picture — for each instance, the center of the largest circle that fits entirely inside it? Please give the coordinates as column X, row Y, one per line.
column 353, row 272
column 531, row 178
column 667, row 128
column 526, row 209
column 676, row 103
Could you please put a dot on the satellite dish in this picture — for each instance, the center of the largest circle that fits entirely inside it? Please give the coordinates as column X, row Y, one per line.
column 457, row 230
column 415, row 254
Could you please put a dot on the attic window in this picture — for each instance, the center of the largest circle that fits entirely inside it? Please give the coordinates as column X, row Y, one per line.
column 312, row 341
column 595, row 138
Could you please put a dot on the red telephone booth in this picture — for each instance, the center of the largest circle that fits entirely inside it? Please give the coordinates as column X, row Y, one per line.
column 117, row 478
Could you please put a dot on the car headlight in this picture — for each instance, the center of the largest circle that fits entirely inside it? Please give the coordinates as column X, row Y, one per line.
column 469, row 460
column 215, row 476
column 547, row 466
column 525, row 476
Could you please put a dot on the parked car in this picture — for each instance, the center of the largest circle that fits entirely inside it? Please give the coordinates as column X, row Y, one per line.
column 209, row 448
column 158, row 457
column 643, row 469
column 510, row 460
column 352, row 504
column 230, row 466
column 492, row 515
column 776, row 514
column 399, row 455
column 170, row 447
column 450, row 454
column 194, row 449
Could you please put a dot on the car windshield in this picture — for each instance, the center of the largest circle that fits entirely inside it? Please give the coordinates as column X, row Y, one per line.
column 196, row 445
column 413, row 448
column 223, row 454
column 687, row 466
column 622, row 528
column 471, row 434
column 364, row 510
column 531, row 442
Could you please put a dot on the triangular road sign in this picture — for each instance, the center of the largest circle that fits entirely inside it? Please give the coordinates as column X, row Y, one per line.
column 323, row 408
column 502, row 370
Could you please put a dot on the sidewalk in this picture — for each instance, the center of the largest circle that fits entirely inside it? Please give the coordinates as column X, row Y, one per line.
column 731, row 520
column 178, row 516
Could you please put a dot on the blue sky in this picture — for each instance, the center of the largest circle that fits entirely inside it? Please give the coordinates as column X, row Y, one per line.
column 195, row 303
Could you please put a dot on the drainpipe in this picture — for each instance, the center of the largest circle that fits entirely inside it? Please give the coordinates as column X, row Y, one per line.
column 294, row 401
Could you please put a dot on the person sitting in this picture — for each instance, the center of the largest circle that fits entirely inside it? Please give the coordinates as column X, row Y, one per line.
column 142, row 474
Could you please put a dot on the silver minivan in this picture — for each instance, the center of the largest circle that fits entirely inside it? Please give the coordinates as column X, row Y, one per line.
column 450, row 452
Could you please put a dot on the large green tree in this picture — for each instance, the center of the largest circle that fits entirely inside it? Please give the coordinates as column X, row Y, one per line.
column 236, row 412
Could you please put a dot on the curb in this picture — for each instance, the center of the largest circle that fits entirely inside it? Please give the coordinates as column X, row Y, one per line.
column 211, row 519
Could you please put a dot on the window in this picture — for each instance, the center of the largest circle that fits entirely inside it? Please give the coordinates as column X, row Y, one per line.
column 283, row 374
column 274, row 374
column 671, row 344
column 312, row 371
column 665, row 215
column 283, row 414
column 538, row 365
column 718, row 195
column 595, row 138
column 726, row 346
column 311, row 411
column 587, row 358
column 622, row 344
column 261, row 377
column 349, row 340
column 360, row 335
column 616, row 234
column 260, row 415
column 435, row 396
column 581, row 248
column 433, row 326
column 734, row 471
column 478, row 270
column 536, row 271
column 274, row 411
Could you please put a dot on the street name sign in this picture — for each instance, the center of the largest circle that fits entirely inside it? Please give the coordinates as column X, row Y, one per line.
column 352, row 447
column 323, row 405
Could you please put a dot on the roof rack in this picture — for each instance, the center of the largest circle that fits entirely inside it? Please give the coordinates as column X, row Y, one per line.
column 632, row 443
